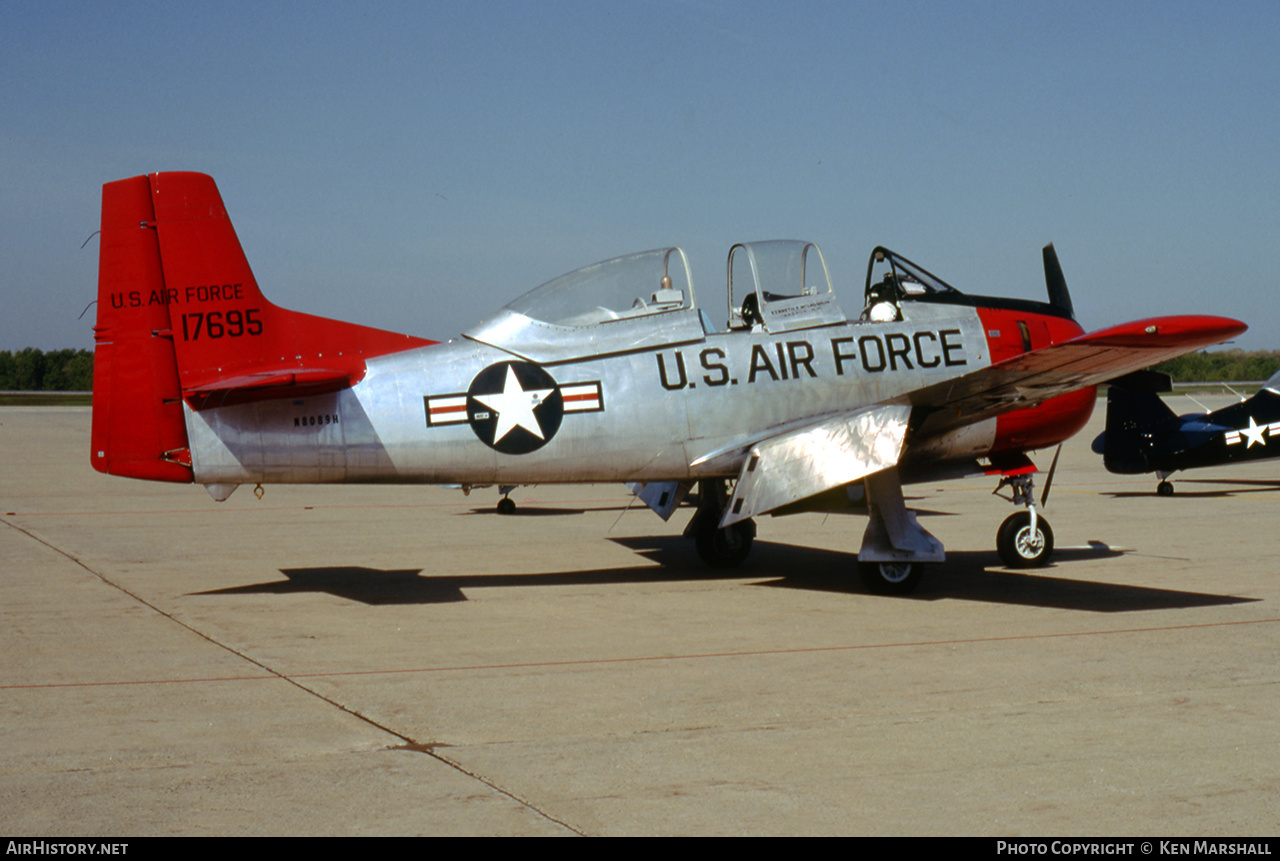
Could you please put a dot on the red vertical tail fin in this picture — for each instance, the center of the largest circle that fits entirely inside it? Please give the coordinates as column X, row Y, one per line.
column 138, row 427
column 230, row 341
column 181, row 317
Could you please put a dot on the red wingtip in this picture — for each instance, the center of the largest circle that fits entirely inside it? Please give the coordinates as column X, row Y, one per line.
column 1191, row 331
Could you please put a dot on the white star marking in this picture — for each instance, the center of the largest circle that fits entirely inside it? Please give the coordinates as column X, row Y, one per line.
column 1254, row 432
column 515, row 407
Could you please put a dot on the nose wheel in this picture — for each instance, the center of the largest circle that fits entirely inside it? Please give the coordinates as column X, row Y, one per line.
column 1023, row 545
column 1025, row 539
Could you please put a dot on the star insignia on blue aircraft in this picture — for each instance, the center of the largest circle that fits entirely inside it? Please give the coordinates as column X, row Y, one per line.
column 1254, row 432
column 514, row 407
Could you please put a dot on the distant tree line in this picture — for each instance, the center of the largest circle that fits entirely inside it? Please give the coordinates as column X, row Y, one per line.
column 33, row 370
column 1224, row 366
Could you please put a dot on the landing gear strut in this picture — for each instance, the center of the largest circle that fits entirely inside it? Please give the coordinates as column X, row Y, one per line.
column 895, row 548
column 720, row 548
column 1025, row 539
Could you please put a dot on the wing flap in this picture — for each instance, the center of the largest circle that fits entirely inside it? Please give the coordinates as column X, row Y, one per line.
column 800, row 463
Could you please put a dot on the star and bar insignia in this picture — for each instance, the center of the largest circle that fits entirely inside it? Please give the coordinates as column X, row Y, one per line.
column 1254, row 433
column 514, row 407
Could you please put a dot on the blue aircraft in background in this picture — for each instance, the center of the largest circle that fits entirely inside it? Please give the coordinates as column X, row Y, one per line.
column 1144, row 435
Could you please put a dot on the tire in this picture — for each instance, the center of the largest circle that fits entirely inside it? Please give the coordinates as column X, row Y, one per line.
column 890, row 578
column 506, row 505
column 1018, row 548
column 1164, row 488
column 728, row 547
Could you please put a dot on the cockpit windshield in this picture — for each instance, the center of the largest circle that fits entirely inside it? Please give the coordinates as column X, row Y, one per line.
column 892, row 280
column 636, row 285
column 780, row 285
column 628, row 303
column 888, row 268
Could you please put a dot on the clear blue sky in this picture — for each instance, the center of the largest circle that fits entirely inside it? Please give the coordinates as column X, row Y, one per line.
column 414, row 166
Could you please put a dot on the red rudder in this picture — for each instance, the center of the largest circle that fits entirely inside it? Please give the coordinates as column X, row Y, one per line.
column 138, row 427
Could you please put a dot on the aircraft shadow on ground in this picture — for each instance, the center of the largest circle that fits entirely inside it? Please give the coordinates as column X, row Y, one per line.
column 1234, row 487
column 966, row 576
column 544, row 510
column 411, row 586
column 527, row 511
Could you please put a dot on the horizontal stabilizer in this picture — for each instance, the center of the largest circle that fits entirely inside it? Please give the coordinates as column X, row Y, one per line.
column 267, row 384
column 796, row 465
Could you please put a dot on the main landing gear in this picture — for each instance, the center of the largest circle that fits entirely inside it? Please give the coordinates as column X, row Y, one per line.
column 1025, row 539
column 890, row 578
column 895, row 548
column 720, row 548
column 506, row 505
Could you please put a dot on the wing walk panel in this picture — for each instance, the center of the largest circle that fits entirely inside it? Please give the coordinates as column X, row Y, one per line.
column 798, row 464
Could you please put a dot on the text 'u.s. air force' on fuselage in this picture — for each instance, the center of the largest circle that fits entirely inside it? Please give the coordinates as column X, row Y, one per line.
column 613, row 372
column 794, row 359
column 1144, row 435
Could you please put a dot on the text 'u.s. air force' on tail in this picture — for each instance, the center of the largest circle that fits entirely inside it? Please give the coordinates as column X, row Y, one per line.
column 614, row 372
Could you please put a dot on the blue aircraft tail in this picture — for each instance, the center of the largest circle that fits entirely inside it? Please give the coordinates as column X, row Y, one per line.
column 1133, row 419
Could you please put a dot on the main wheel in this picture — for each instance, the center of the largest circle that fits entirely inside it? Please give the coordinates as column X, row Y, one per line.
column 728, row 547
column 1018, row 547
column 890, row 578
column 1164, row 488
column 506, row 505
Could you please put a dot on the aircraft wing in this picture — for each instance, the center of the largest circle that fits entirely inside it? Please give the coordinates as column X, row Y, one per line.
column 800, row 462
column 1086, row 360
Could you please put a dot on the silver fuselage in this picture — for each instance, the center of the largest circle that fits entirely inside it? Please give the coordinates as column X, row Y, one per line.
column 685, row 405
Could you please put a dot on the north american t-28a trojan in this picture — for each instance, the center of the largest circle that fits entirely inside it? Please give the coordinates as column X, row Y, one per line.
column 1144, row 435
column 611, row 373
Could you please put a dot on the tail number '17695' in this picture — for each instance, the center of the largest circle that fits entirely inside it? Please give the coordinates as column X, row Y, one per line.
column 216, row 324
